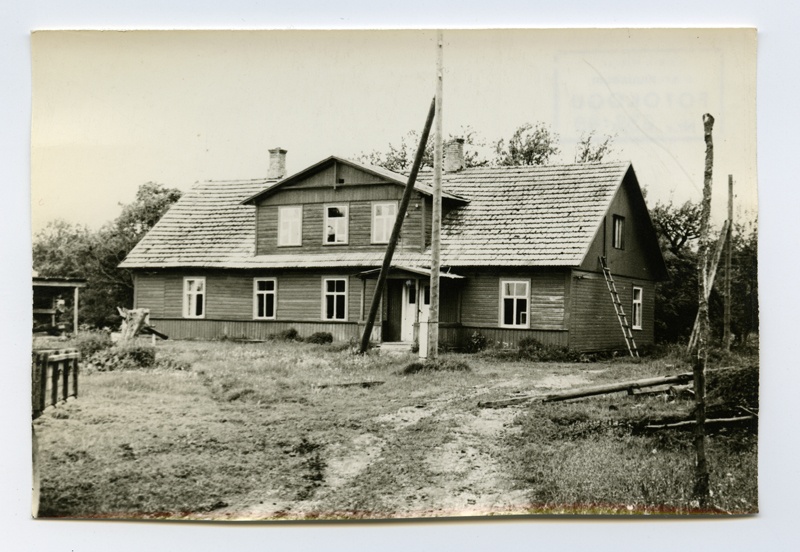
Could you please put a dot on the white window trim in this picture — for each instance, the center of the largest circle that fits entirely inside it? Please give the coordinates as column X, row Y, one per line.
column 281, row 241
column 501, row 305
column 390, row 227
column 324, row 301
column 187, row 303
column 634, row 302
column 257, row 292
column 346, row 208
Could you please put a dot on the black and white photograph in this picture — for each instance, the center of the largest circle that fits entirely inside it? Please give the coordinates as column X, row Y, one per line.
column 394, row 274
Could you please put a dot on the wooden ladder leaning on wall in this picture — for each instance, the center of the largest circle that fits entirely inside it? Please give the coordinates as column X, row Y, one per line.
column 623, row 320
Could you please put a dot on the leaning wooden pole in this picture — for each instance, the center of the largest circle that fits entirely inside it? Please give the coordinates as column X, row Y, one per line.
column 436, row 215
column 726, row 330
column 712, row 274
column 398, row 224
column 701, row 486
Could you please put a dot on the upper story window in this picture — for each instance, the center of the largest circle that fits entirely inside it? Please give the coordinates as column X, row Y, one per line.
column 383, row 215
column 194, row 297
column 290, row 225
column 334, row 299
column 636, row 309
column 618, row 232
column 264, row 298
column 336, row 223
column 514, row 303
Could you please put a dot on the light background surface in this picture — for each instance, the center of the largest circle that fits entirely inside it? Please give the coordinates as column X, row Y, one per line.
column 775, row 528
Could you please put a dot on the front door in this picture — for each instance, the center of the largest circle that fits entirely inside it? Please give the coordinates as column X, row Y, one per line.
column 409, row 311
column 394, row 310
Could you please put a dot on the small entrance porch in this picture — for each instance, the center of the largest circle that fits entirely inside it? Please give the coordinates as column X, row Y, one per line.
column 405, row 304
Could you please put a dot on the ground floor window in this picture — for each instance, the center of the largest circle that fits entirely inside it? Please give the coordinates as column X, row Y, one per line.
column 264, row 300
column 334, row 300
column 636, row 309
column 514, row 303
column 194, row 297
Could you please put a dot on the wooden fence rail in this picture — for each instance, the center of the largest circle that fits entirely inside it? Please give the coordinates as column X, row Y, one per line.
column 54, row 377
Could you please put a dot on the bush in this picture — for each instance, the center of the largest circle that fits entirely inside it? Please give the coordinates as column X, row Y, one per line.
column 132, row 357
column 531, row 349
column 289, row 334
column 730, row 389
column 88, row 343
column 440, row 365
column 320, row 338
column 477, row 342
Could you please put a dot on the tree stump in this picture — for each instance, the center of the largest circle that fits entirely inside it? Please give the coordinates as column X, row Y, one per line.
column 133, row 321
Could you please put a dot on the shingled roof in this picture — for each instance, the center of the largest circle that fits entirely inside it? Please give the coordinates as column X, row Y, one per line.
column 515, row 216
column 528, row 215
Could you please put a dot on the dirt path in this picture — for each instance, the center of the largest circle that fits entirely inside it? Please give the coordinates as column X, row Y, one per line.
column 464, row 475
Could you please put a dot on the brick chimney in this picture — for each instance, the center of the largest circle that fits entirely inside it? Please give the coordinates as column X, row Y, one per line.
column 454, row 155
column 277, row 164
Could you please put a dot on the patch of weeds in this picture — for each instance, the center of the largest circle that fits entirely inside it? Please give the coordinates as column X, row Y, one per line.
column 477, row 342
column 440, row 365
column 729, row 390
column 122, row 357
column 289, row 334
column 90, row 342
column 533, row 350
column 320, row 338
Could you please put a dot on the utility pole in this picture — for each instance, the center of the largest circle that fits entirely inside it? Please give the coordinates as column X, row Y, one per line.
column 726, row 332
column 436, row 215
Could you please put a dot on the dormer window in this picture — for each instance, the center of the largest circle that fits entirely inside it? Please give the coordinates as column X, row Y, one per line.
column 383, row 215
column 290, row 225
column 336, row 223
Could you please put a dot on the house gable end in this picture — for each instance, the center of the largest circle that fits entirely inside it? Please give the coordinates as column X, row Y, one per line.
column 637, row 255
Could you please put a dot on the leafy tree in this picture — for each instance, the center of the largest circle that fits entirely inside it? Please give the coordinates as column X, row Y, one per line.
column 529, row 145
column 678, row 230
column 62, row 249
column 589, row 152
column 400, row 157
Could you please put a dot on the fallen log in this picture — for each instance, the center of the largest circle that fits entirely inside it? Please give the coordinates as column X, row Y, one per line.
column 364, row 384
column 628, row 386
column 690, row 423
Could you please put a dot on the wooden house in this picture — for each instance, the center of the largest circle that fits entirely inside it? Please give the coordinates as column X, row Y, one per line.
column 521, row 249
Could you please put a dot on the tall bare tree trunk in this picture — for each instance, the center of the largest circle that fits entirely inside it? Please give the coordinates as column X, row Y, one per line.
column 701, row 488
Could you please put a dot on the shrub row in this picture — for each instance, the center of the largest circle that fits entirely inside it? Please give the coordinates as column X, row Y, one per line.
column 291, row 334
column 528, row 348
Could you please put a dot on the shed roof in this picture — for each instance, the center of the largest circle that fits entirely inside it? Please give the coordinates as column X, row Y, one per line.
column 514, row 216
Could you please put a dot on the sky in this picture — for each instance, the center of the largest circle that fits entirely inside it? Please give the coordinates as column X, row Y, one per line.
column 113, row 110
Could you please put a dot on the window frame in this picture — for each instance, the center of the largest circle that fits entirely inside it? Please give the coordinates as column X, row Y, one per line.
column 188, row 303
column 502, row 305
column 342, row 206
column 257, row 292
column 326, row 293
column 637, row 308
column 299, row 239
column 388, row 225
column 618, row 232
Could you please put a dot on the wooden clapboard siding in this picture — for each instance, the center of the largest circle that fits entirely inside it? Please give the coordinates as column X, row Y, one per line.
column 358, row 198
column 229, row 294
column 504, row 337
column 449, row 302
column 481, row 299
column 149, row 293
column 178, row 328
column 594, row 325
column 639, row 256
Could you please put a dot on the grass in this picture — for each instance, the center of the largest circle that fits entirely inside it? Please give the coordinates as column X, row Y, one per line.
column 261, row 431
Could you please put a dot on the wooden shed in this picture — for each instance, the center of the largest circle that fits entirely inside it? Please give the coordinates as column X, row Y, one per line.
column 51, row 298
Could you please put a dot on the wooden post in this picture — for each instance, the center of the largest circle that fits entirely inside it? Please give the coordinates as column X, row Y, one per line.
column 701, row 485
column 712, row 274
column 76, row 293
column 436, row 215
column 726, row 331
column 398, row 224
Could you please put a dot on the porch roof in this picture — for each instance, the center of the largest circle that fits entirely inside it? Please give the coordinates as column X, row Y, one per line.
column 419, row 271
